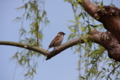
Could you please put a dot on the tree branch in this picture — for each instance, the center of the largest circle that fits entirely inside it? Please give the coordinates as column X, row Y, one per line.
column 89, row 7
column 106, row 39
column 65, row 46
column 29, row 47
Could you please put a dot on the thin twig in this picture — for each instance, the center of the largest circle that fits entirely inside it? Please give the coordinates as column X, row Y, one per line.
column 112, row 71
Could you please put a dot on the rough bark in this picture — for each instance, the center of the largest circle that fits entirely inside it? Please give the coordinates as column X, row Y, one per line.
column 109, row 42
column 111, row 20
column 109, row 16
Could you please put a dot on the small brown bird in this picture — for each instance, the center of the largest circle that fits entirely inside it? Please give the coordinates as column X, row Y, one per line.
column 57, row 40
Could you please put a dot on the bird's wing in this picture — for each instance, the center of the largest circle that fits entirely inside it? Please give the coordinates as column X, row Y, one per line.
column 56, row 39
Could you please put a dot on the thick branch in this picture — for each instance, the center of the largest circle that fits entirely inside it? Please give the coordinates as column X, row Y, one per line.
column 107, row 40
column 108, row 15
column 89, row 7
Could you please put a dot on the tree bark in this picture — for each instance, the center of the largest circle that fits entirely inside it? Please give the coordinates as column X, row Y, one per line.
column 109, row 16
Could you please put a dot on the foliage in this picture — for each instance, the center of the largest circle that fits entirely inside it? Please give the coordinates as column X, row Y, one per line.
column 35, row 15
column 93, row 63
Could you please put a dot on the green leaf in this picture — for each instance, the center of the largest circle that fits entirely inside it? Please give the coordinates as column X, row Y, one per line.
column 101, row 6
column 28, row 16
column 71, row 36
column 17, row 19
column 65, row 0
column 36, row 26
column 77, row 18
column 76, row 4
column 26, row 6
column 44, row 13
column 69, row 1
column 94, row 25
column 79, row 1
column 83, row 28
column 71, row 21
column 33, row 70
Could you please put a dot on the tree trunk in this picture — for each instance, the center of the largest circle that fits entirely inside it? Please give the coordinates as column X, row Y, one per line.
column 110, row 17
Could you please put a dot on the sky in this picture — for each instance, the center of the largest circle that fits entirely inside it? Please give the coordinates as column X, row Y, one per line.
column 61, row 67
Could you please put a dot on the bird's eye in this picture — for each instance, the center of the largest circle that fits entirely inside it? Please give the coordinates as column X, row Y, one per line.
column 60, row 34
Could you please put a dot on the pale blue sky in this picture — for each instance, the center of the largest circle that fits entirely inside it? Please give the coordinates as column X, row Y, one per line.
column 60, row 67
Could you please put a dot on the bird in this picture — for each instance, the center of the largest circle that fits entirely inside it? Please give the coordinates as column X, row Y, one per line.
column 57, row 40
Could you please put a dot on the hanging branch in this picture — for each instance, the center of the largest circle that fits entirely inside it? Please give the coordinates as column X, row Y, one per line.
column 112, row 71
